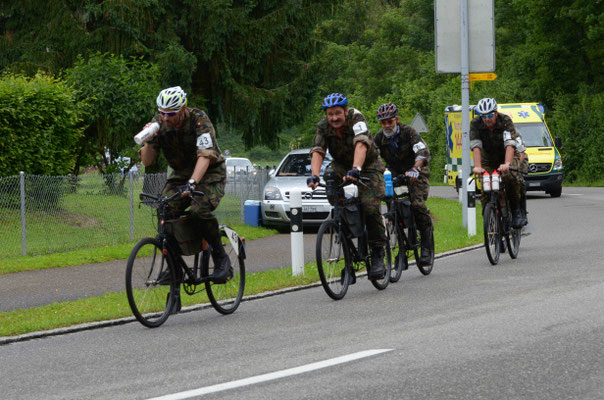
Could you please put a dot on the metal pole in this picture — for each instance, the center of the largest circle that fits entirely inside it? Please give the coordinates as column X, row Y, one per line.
column 23, row 236
column 465, row 105
column 131, row 180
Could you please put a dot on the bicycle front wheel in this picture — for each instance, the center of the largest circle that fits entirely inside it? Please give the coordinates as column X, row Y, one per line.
column 225, row 297
column 397, row 250
column 150, row 283
column 492, row 236
column 513, row 241
column 332, row 260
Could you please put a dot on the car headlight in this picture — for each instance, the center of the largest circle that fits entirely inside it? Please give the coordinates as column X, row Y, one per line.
column 272, row 193
column 558, row 163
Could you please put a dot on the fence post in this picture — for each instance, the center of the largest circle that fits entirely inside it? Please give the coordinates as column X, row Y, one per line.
column 131, row 180
column 23, row 235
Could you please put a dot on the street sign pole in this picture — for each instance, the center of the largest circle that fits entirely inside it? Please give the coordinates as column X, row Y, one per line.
column 465, row 115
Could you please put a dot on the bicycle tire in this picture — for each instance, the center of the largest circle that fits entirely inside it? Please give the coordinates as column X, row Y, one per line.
column 381, row 284
column 225, row 297
column 150, row 283
column 513, row 242
column 333, row 260
column 492, row 233
column 426, row 269
column 397, row 249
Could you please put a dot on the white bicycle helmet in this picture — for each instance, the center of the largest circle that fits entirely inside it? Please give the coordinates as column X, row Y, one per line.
column 171, row 99
column 486, row 106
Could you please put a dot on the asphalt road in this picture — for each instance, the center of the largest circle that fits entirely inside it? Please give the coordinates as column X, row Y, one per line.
column 530, row 328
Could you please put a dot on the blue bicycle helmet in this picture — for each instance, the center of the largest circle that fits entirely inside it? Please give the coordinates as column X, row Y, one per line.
column 334, row 100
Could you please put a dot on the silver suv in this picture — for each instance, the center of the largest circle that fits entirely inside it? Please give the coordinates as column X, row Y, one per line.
column 291, row 174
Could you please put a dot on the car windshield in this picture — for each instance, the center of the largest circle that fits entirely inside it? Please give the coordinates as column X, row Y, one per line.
column 534, row 135
column 238, row 163
column 299, row 165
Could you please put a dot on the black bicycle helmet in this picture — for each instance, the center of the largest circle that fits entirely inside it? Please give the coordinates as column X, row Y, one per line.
column 334, row 100
column 387, row 111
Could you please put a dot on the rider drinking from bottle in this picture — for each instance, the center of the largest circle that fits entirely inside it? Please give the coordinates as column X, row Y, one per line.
column 187, row 139
column 493, row 140
column 405, row 152
column 344, row 133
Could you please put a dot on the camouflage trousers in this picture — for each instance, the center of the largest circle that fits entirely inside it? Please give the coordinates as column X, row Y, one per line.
column 418, row 194
column 513, row 180
column 203, row 206
column 371, row 199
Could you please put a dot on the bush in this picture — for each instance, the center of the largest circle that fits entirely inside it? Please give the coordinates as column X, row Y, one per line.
column 39, row 125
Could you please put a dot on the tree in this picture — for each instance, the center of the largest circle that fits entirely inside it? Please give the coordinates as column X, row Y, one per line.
column 120, row 94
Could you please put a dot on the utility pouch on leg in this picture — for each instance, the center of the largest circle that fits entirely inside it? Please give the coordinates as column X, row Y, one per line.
column 184, row 230
column 404, row 209
column 351, row 210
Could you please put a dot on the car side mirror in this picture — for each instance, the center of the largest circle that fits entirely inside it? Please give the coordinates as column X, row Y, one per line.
column 558, row 142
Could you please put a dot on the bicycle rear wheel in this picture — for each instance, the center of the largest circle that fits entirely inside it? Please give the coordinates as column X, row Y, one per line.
column 492, row 235
column 397, row 250
column 225, row 297
column 381, row 284
column 332, row 260
column 150, row 283
column 426, row 269
column 513, row 242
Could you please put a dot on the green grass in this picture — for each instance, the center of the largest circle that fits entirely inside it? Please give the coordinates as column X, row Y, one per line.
column 100, row 254
column 449, row 235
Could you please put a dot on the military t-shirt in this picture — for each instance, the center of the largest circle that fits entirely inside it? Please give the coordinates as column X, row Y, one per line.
column 342, row 147
column 195, row 138
column 403, row 149
column 492, row 144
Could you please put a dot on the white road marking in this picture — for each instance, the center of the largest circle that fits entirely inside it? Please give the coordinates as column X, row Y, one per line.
column 271, row 376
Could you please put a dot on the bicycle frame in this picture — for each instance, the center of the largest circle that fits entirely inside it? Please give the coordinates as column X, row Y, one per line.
column 170, row 248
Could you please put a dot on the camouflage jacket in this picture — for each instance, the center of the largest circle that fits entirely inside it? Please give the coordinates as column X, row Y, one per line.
column 196, row 138
column 403, row 149
column 492, row 144
column 342, row 148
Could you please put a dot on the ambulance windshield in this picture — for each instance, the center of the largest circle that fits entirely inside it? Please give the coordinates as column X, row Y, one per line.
column 534, row 135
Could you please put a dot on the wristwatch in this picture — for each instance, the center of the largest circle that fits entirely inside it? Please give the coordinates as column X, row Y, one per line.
column 357, row 168
column 192, row 182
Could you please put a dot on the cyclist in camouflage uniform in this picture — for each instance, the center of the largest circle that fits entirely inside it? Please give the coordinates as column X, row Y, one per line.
column 494, row 146
column 523, row 162
column 344, row 133
column 405, row 152
column 188, row 140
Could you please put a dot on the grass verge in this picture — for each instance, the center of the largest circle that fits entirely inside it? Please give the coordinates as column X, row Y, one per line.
column 100, row 254
column 449, row 235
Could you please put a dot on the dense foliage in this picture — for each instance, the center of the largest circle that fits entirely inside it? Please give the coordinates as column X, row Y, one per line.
column 261, row 67
column 40, row 124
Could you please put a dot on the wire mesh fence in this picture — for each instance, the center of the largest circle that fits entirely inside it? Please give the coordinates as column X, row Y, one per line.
column 48, row 214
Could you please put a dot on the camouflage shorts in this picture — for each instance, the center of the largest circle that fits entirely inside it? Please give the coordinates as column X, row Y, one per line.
column 418, row 194
column 203, row 206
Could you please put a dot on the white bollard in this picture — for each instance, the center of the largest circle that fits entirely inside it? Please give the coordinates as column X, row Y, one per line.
column 471, row 207
column 297, row 235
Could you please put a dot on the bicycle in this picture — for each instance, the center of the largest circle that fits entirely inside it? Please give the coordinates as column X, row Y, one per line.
column 402, row 232
column 156, row 269
column 497, row 220
column 338, row 258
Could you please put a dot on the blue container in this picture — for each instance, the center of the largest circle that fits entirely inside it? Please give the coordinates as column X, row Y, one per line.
column 251, row 212
column 388, row 181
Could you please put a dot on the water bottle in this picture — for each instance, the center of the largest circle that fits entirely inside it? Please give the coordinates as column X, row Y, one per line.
column 388, row 179
column 486, row 182
column 147, row 133
column 495, row 181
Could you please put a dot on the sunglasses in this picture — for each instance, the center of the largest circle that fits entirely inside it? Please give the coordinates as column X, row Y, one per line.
column 487, row 115
column 169, row 114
